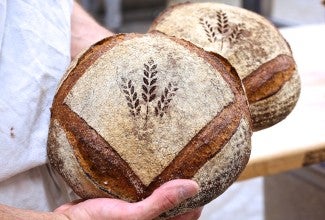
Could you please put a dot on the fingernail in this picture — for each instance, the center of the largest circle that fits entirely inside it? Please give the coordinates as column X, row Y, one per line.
column 188, row 190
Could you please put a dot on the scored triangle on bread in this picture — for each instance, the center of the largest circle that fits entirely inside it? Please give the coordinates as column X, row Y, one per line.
column 259, row 53
column 135, row 111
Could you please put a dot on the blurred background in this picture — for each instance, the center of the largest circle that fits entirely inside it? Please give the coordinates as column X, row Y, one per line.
column 294, row 195
column 136, row 15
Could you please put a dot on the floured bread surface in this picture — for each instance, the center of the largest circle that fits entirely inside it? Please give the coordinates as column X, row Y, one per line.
column 247, row 40
column 136, row 111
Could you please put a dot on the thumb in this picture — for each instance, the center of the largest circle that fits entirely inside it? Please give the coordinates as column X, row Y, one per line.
column 166, row 197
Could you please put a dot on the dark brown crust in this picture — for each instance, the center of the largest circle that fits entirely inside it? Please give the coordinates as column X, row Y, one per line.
column 86, row 142
column 269, row 78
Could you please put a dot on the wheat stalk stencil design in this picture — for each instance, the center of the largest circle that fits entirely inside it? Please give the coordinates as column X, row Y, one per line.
column 131, row 97
column 222, row 24
column 236, row 33
column 218, row 26
column 149, row 87
column 209, row 30
column 165, row 99
column 149, row 95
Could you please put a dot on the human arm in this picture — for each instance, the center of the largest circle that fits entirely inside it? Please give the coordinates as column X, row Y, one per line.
column 164, row 198
column 85, row 31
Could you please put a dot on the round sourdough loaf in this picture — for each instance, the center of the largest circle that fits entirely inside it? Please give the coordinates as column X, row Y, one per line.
column 256, row 49
column 135, row 111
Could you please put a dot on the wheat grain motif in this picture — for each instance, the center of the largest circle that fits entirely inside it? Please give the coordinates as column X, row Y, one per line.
column 221, row 29
column 209, row 30
column 149, row 85
column 131, row 97
column 166, row 97
column 222, row 22
column 222, row 25
column 149, row 94
column 236, row 33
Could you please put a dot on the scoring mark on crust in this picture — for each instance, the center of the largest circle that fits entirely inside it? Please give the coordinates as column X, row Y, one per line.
column 205, row 145
column 97, row 158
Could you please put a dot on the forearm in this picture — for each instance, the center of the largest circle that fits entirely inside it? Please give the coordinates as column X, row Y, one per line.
column 11, row 213
column 85, row 31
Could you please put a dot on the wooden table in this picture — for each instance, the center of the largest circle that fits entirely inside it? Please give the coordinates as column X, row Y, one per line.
column 299, row 140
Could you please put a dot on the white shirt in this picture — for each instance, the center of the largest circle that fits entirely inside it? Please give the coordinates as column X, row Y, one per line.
column 34, row 54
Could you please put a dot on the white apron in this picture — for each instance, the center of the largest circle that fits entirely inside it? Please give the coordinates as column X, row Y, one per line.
column 34, row 54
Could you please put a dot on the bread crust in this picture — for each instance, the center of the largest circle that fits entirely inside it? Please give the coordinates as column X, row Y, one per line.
column 269, row 78
column 106, row 173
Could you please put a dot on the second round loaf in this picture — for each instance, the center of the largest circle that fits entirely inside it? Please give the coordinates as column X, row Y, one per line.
column 261, row 56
